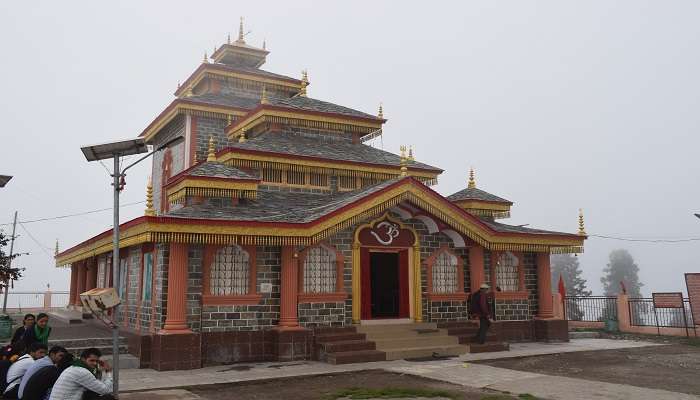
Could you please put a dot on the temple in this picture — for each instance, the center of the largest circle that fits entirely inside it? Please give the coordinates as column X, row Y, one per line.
column 273, row 232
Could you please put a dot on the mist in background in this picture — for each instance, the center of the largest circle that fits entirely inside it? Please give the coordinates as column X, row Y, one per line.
column 556, row 104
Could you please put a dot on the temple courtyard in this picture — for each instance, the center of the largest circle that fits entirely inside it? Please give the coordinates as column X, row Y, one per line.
column 579, row 369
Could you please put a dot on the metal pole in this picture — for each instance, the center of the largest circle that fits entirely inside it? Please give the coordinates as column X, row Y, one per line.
column 116, row 265
column 9, row 264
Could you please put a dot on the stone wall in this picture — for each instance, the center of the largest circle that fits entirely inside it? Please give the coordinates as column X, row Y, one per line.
column 321, row 314
column 193, row 303
column 160, row 285
column 530, row 264
column 512, row 310
column 207, row 127
column 133, row 289
column 443, row 311
column 174, row 128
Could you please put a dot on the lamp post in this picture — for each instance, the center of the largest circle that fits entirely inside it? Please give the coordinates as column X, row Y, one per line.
column 697, row 215
column 115, row 150
column 4, row 179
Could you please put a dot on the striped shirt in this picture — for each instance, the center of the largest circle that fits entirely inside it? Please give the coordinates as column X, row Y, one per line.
column 74, row 381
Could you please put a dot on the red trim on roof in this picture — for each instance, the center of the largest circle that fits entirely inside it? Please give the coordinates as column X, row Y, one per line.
column 174, row 104
column 182, row 174
column 228, row 68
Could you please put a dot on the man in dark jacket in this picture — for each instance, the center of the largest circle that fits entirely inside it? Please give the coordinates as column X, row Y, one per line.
column 480, row 308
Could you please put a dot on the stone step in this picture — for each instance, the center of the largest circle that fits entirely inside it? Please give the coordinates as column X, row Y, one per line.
column 69, row 317
column 360, row 356
column 467, row 339
column 338, row 337
column 425, row 351
column 488, row 347
column 87, row 342
column 392, row 334
column 326, row 330
column 397, row 327
column 347, row 345
column 584, row 335
column 123, row 349
column 463, row 330
column 458, row 324
column 413, row 342
column 126, row 361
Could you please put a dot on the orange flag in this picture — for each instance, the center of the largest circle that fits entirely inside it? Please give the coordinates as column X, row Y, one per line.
column 562, row 288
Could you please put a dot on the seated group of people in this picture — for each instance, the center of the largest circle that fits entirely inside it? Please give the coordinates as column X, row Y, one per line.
column 27, row 372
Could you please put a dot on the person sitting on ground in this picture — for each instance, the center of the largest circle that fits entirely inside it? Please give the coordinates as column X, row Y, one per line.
column 82, row 377
column 18, row 339
column 20, row 367
column 56, row 355
column 41, row 330
column 480, row 308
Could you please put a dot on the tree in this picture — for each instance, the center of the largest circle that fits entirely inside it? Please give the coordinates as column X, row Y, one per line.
column 567, row 266
column 621, row 268
column 7, row 273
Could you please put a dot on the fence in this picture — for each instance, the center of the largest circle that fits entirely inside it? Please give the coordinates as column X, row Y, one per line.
column 36, row 300
column 643, row 313
column 590, row 308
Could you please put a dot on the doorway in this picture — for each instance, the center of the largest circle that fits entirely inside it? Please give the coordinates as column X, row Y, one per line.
column 384, row 275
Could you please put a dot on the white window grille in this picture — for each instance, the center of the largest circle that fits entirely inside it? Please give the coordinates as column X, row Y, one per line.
column 445, row 273
column 101, row 264
column 320, row 270
column 229, row 273
column 507, row 276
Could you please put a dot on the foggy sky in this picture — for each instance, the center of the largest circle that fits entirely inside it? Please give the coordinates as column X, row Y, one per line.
column 557, row 105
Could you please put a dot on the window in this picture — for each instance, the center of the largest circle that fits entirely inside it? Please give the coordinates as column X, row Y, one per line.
column 147, row 277
column 316, row 179
column 101, row 264
column 347, row 182
column 296, row 178
column 271, row 175
column 445, row 274
column 229, row 274
column 507, row 274
column 320, row 270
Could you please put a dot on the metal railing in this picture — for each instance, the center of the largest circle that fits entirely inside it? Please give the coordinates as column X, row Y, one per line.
column 590, row 308
column 18, row 301
column 643, row 313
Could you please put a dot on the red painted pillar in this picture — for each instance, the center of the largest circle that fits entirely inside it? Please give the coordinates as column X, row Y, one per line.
column 544, row 287
column 80, row 285
column 289, row 289
column 91, row 274
column 476, row 267
column 72, row 299
column 175, row 319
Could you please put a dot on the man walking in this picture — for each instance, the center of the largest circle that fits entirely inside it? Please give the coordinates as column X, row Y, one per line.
column 480, row 308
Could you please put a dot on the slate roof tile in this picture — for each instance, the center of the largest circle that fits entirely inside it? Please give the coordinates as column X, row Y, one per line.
column 476, row 194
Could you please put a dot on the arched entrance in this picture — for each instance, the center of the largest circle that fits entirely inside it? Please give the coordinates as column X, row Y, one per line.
column 386, row 272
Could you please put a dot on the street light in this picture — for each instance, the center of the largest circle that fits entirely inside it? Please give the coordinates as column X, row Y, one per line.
column 4, row 179
column 697, row 215
column 115, row 150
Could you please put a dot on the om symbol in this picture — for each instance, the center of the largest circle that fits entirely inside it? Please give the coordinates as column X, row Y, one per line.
column 392, row 232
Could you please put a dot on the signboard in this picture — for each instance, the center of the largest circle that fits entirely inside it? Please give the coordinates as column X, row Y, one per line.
column 386, row 233
column 692, row 283
column 668, row 300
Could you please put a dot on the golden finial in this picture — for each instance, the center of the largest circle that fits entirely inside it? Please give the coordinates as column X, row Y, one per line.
column 211, row 156
column 581, row 227
column 410, row 153
column 241, row 137
column 240, row 32
column 55, row 252
column 189, row 92
column 178, row 85
column 229, row 119
column 149, row 198
column 228, row 38
column 264, row 44
column 304, row 83
column 263, row 96
column 380, row 114
column 206, row 59
column 404, row 169
column 472, row 182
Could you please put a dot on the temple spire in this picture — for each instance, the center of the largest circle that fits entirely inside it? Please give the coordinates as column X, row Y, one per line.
column 380, row 114
column 55, row 252
column 410, row 153
column 404, row 161
column 240, row 32
column 211, row 156
column 149, row 198
column 581, row 226
column 241, row 137
column 264, row 45
column 472, row 182
column 205, row 60
column 228, row 38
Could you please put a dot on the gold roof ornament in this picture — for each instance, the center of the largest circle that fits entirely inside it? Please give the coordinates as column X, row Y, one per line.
column 240, row 32
column 472, row 182
column 410, row 153
column 581, row 226
column 55, row 252
column 229, row 119
column 304, row 83
column 211, row 156
column 241, row 137
column 178, row 85
column 205, row 60
column 264, row 44
column 404, row 169
column 189, row 92
column 380, row 114
column 263, row 96
column 228, row 38
column 149, row 198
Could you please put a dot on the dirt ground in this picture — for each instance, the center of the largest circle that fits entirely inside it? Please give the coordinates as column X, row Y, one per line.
column 323, row 387
column 675, row 367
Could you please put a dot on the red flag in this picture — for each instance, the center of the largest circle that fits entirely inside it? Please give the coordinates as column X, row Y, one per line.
column 562, row 288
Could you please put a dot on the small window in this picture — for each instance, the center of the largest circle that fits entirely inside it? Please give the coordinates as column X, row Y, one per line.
column 316, row 179
column 101, row 266
column 320, row 270
column 272, row 175
column 123, row 272
column 347, row 182
column 230, row 272
column 507, row 274
column 445, row 273
column 295, row 178
column 147, row 277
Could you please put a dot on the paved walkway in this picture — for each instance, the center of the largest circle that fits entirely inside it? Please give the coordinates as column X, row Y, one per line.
column 456, row 370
